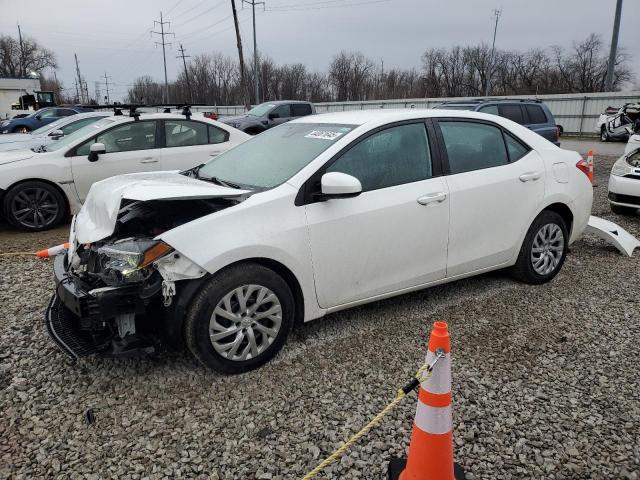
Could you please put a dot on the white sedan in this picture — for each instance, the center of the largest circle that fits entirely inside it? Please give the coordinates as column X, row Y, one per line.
column 38, row 189
column 624, row 183
column 314, row 216
column 50, row 132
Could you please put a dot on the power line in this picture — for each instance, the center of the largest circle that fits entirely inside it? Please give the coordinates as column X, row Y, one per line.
column 199, row 15
column 163, row 34
column 189, row 10
column 174, row 6
column 186, row 72
column 253, row 4
column 320, row 6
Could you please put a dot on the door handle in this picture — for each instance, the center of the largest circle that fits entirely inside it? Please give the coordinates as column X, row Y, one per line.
column 438, row 197
column 149, row 160
column 530, row 176
column 217, row 152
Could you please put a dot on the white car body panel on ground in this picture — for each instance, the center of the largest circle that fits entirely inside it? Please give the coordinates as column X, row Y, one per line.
column 614, row 234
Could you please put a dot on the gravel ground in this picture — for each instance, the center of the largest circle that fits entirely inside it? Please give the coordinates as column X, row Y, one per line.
column 545, row 383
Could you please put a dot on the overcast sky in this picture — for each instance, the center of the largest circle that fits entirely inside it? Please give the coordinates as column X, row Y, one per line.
column 113, row 36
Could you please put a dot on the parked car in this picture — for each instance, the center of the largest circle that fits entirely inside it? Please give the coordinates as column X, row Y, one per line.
column 624, row 183
column 533, row 114
column 38, row 119
column 614, row 126
column 318, row 215
column 51, row 132
column 633, row 143
column 269, row 114
column 39, row 189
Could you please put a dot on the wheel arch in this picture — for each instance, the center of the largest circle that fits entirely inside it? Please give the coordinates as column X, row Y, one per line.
column 67, row 204
column 564, row 211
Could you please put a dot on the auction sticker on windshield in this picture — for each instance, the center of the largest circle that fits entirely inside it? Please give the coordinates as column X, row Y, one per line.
column 323, row 134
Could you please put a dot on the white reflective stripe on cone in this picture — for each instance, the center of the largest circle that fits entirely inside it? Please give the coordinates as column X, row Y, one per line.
column 436, row 420
column 440, row 381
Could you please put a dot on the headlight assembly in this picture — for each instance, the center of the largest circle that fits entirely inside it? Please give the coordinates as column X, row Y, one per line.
column 125, row 261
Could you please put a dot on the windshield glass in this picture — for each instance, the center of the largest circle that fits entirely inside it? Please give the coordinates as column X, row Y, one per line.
column 49, row 126
column 274, row 156
column 454, row 107
column 260, row 110
column 69, row 139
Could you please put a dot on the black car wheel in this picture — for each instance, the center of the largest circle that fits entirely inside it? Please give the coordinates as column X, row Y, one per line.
column 21, row 129
column 604, row 135
column 240, row 319
column 34, row 206
column 544, row 249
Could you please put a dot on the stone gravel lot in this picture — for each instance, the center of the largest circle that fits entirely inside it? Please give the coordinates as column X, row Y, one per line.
column 546, row 383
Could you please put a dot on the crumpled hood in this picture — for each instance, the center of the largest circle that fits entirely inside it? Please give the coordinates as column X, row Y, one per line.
column 97, row 217
column 15, row 156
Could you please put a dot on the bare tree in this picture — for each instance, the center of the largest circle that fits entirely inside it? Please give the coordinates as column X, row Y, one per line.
column 31, row 58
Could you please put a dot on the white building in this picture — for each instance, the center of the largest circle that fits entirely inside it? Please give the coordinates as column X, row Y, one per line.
column 19, row 95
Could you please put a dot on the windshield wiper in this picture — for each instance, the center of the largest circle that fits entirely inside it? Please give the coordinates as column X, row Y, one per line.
column 224, row 183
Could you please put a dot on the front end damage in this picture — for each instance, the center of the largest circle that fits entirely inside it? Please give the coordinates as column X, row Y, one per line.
column 115, row 296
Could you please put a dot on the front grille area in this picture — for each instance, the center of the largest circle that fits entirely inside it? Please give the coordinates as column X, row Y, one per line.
column 61, row 324
column 630, row 199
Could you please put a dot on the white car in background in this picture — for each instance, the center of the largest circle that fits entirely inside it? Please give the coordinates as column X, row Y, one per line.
column 39, row 189
column 314, row 216
column 48, row 133
column 624, row 183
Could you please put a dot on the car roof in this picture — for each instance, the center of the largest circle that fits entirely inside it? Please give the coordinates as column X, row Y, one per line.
column 280, row 102
column 479, row 101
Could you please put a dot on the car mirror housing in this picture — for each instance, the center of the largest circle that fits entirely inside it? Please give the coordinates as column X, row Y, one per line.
column 95, row 150
column 57, row 134
column 339, row 185
column 273, row 115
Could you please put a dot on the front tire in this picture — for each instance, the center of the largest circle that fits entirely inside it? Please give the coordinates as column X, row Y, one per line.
column 622, row 210
column 544, row 249
column 604, row 135
column 240, row 319
column 21, row 129
column 34, row 206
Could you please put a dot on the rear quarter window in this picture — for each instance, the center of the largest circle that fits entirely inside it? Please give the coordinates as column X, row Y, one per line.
column 536, row 114
column 512, row 112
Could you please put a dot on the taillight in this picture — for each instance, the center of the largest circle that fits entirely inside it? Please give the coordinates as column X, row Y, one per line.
column 557, row 133
column 586, row 168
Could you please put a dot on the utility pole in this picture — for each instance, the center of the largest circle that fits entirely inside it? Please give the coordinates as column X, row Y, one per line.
column 106, row 84
column 55, row 78
column 253, row 4
column 186, row 72
column 79, row 81
column 243, row 78
column 97, row 92
column 614, row 47
column 163, row 34
column 22, row 72
column 77, row 94
column 497, row 14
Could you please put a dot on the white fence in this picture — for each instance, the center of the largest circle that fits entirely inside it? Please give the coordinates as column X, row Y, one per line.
column 577, row 113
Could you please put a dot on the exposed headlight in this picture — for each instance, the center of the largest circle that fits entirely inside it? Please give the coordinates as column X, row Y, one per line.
column 235, row 125
column 633, row 158
column 125, row 261
column 4, row 123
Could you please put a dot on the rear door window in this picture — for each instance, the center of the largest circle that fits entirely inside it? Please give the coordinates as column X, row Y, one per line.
column 512, row 112
column 472, row 145
column 300, row 109
column 536, row 114
column 185, row 133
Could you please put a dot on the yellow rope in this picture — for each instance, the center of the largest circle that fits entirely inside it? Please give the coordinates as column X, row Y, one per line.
column 349, row 443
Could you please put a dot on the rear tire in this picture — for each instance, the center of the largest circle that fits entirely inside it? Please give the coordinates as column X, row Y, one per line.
column 543, row 251
column 34, row 206
column 621, row 210
column 229, row 327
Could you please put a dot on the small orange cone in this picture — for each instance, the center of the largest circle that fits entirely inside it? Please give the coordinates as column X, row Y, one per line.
column 53, row 251
column 431, row 448
column 590, row 165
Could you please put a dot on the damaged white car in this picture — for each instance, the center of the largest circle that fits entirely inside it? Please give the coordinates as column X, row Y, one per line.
column 320, row 214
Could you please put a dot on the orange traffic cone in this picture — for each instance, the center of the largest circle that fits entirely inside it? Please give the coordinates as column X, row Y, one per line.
column 590, row 165
column 53, row 251
column 431, row 448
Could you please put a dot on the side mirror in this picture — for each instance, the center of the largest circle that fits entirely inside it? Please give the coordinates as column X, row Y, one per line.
column 339, row 185
column 95, row 150
column 56, row 134
column 273, row 115
column 38, row 117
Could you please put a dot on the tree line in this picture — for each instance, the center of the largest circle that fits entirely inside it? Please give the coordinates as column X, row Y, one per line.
column 457, row 71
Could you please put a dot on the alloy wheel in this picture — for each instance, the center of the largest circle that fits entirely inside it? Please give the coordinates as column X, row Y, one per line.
column 34, row 208
column 245, row 322
column 547, row 249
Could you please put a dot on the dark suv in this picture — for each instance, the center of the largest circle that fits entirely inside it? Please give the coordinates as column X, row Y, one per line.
column 533, row 114
column 269, row 114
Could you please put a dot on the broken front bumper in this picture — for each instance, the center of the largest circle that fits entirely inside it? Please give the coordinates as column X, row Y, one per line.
column 79, row 318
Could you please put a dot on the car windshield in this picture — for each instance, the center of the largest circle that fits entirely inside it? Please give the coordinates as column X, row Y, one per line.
column 454, row 107
column 274, row 156
column 261, row 110
column 80, row 133
column 50, row 126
